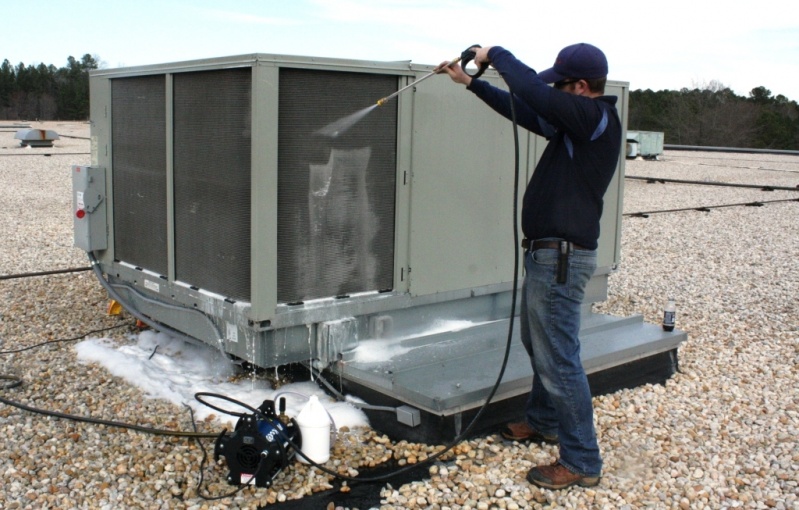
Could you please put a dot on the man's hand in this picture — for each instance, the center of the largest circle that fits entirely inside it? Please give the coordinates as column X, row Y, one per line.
column 481, row 56
column 455, row 72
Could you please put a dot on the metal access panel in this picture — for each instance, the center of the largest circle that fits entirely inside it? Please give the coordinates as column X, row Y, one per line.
column 461, row 231
column 462, row 215
column 88, row 208
column 609, row 249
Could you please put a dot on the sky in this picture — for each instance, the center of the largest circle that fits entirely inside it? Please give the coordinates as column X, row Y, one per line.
column 652, row 45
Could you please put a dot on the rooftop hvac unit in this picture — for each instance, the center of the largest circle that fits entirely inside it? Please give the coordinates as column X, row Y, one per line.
column 383, row 254
column 647, row 144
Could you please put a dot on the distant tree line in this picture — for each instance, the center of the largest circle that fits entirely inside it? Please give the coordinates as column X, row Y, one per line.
column 711, row 115
column 45, row 92
column 714, row 116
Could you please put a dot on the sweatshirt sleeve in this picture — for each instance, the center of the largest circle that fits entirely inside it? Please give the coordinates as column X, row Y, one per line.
column 577, row 116
column 499, row 100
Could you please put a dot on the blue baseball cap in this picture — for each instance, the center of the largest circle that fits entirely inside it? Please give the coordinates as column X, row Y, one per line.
column 580, row 60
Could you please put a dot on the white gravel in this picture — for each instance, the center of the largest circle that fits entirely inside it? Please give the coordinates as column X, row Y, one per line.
column 722, row 433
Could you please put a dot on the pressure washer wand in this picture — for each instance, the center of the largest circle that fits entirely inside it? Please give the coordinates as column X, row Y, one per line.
column 466, row 56
column 381, row 102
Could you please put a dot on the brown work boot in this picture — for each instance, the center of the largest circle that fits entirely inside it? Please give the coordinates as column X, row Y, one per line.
column 557, row 476
column 521, row 431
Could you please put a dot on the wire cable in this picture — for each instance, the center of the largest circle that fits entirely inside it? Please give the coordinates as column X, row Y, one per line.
column 764, row 187
column 707, row 208
column 98, row 421
column 12, row 381
column 50, row 154
column 44, row 273
column 62, row 340
column 341, row 398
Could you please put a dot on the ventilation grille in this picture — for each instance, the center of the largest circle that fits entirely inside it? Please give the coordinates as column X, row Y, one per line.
column 138, row 134
column 336, row 194
column 212, row 142
column 335, row 198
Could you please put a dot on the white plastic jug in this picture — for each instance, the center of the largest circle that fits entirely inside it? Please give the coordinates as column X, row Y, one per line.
column 315, row 431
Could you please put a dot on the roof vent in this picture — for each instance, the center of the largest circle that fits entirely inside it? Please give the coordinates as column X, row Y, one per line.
column 36, row 137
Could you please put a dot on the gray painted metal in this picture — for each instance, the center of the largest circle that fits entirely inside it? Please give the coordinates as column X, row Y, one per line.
column 453, row 371
column 89, row 208
column 647, row 143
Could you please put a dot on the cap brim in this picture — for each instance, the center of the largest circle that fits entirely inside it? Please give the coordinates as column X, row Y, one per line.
column 550, row 76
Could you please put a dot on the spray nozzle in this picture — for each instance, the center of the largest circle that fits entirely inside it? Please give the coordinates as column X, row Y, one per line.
column 281, row 404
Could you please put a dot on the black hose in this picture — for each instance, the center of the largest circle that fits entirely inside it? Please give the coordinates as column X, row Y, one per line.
column 62, row 340
column 49, row 154
column 44, row 273
column 508, row 344
column 205, row 459
column 16, row 381
column 97, row 421
column 12, row 381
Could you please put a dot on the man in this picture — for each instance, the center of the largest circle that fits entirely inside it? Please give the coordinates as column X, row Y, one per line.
column 560, row 220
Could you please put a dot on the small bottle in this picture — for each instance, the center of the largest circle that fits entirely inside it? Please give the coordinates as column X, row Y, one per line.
column 669, row 315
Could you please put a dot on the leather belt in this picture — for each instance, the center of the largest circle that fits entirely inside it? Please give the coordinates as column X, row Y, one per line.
column 527, row 244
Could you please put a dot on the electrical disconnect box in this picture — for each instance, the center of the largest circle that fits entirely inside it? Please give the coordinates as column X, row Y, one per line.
column 88, row 208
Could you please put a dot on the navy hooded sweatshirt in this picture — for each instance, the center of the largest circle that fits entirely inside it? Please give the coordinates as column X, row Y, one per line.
column 563, row 199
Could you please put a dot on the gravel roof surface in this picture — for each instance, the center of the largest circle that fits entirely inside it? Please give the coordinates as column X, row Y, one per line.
column 722, row 433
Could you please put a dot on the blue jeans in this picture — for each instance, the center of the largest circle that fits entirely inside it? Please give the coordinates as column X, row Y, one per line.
column 560, row 401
